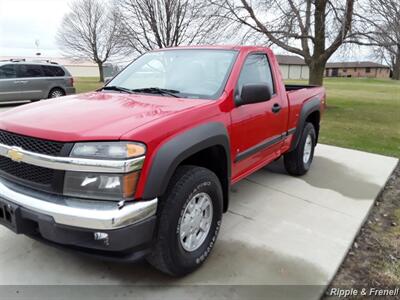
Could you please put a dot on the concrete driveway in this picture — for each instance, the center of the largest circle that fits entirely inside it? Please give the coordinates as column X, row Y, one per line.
column 283, row 238
column 4, row 106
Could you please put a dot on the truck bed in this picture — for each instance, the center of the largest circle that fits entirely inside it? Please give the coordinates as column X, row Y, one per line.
column 298, row 95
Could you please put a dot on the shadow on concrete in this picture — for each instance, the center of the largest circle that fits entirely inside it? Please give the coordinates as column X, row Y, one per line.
column 329, row 174
column 231, row 263
column 235, row 270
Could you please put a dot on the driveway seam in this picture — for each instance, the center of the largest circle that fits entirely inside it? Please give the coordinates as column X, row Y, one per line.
column 240, row 215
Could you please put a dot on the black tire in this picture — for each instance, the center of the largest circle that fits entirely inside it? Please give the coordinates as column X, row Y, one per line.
column 56, row 92
column 168, row 254
column 294, row 163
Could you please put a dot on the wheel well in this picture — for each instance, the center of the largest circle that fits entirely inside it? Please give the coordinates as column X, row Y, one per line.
column 314, row 119
column 213, row 158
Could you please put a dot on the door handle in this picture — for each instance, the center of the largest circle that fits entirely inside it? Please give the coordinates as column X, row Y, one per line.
column 276, row 108
column 21, row 81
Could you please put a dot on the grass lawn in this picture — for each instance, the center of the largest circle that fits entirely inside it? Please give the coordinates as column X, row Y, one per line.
column 362, row 114
column 86, row 84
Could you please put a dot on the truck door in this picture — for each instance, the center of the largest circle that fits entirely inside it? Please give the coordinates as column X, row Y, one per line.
column 256, row 128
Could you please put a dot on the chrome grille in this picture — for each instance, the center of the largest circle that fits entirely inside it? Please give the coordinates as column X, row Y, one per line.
column 31, row 144
column 30, row 175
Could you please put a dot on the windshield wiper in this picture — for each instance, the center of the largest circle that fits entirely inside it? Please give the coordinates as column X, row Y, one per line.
column 116, row 88
column 156, row 90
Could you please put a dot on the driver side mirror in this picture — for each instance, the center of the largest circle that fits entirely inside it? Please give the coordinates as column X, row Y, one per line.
column 254, row 93
column 107, row 80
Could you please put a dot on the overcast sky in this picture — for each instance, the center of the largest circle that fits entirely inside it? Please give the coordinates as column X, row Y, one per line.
column 22, row 22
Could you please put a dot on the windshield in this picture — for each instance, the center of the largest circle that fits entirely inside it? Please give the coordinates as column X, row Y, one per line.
column 189, row 73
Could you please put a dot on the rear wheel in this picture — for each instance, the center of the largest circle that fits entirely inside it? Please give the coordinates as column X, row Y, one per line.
column 298, row 161
column 189, row 218
column 56, row 92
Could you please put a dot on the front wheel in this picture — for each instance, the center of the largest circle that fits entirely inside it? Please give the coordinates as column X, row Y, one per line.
column 189, row 218
column 298, row 161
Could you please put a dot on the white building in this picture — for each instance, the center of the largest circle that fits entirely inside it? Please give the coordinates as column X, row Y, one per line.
column 79, row 68
column 293, row 67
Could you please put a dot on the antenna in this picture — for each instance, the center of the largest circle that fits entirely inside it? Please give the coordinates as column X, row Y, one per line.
column 37, row 44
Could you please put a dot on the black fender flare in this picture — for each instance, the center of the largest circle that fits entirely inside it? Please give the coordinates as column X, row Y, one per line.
column 308, row 108
column 181, row 147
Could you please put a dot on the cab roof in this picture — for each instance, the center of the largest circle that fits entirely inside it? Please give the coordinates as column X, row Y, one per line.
column 216, row 47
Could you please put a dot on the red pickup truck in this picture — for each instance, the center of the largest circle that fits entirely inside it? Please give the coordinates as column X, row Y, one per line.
column 143, row 166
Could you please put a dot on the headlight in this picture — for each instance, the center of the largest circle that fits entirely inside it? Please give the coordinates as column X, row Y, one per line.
column 105, row 186
column 108, row 150
column 101, row 186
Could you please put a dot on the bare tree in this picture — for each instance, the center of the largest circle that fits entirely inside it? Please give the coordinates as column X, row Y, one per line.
column 153, row 24
column 302, row 27
column 90, row 31
column 378, row 24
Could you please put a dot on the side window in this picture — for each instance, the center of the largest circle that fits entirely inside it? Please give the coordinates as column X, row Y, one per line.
column 7, row 71
column 256, row 70
column 27, row 71
column 48, row 72
column 52, row 71
column 58, row 71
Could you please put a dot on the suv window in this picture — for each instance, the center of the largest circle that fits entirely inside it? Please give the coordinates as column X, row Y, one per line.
column 53, row 71
column 7, row 71
column 256, row 70
column 29, row 71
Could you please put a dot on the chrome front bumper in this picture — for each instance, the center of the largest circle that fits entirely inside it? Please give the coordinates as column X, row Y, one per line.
column 88, row 214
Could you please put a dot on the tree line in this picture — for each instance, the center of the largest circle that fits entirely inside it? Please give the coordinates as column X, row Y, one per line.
column 313, row 29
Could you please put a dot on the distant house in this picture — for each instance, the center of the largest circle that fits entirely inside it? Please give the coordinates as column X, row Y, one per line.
column 293, row 67
column 357, row 69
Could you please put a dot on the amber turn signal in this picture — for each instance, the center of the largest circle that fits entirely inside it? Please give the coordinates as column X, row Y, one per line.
column 135, row 150
column 130, row 182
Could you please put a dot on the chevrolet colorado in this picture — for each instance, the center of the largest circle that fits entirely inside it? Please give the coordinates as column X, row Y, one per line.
column 142, row 167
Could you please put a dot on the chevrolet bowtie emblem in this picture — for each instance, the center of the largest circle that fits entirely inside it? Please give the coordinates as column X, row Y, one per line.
column 15, row 154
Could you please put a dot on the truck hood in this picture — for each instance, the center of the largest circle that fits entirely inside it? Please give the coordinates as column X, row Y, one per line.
column 91, row 116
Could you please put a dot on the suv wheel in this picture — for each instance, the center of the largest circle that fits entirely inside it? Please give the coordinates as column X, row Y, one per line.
column 298, row 161
column 56, row 92
column 189, row 218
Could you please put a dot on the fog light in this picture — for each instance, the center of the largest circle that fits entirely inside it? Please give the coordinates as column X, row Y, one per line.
column 100, row 236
